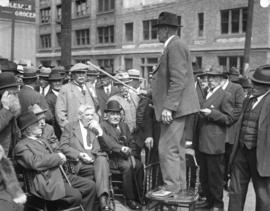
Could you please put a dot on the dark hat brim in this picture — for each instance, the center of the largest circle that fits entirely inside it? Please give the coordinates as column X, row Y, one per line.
column 33, row 121
column 56, row 79
column 251, row 76
column 112, row 110
column 125, row 82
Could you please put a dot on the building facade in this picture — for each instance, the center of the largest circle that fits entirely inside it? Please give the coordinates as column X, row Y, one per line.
column 120, row 33
column 18, row 31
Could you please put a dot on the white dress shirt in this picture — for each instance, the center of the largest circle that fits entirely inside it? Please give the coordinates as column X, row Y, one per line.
column 84, row 136
column 259, row 99
column 210, row 93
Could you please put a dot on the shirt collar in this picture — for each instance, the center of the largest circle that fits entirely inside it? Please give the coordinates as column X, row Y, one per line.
column 168, row 40
column 55, row 92
column 224, row 86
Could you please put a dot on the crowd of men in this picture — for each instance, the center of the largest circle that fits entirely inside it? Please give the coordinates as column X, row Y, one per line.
column 69, row 129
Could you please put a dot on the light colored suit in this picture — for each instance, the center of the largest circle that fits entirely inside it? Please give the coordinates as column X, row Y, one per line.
column 173, row 89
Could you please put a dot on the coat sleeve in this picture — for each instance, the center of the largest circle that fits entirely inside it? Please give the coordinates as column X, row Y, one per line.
column 61, row 108
column 224, row 115
column 65, row 147
column 5, row 118
column 239, row 99
column 178, row 65
column 31, row 159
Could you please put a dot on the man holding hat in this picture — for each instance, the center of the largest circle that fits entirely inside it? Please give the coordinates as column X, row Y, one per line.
column 216, row 115
column 43, row 76
column 56, row 81
column 250, row 155
column 120, row 145
column 46, row 177
column 29, row 96
column 174, row 97
column 74, row 94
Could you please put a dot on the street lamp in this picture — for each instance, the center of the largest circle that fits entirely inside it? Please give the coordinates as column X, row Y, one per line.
column 264, row 3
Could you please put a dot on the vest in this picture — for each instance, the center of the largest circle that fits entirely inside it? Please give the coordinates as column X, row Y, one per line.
column 249, row 127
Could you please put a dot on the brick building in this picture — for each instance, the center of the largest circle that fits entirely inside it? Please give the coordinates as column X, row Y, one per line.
column 119, row 33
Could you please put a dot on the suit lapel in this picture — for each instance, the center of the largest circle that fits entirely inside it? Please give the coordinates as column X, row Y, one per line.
column 212, row 98
column 77, row 132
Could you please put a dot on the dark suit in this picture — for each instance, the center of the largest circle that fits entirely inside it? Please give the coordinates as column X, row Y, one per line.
column 132, row 177
column 103, row 97
column 246, row 164
column 72, row 145
column 212, row 136
column 173, row 89
column 29, row 97
column 51, row 100
column 46, row 178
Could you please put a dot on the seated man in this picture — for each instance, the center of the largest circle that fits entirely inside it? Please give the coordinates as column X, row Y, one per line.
column 120, row 145
column 47, row 181
column 80, row 144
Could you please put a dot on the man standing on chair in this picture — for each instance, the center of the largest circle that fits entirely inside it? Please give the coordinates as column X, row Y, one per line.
column 174, row 97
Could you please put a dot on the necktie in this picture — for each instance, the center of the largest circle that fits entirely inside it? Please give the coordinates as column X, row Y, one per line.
column 43, row 91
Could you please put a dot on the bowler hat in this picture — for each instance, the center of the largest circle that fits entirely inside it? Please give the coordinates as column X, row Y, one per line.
column 27, row 119
column 55, row 75
column 7, row 80
column 29, row 73
column 167, row 19
column 113, row 106
column 122, row 76
column 37, row 110
column 79, row 67
column 261, row 75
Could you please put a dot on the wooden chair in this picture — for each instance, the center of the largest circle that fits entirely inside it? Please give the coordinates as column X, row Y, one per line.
column 185, row 198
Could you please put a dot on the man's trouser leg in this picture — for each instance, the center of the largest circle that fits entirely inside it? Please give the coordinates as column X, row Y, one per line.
column 172, row 154
column 240, row 177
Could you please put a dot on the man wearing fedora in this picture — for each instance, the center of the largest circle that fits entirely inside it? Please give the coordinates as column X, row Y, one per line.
column 74, row 94
column 250, row 155
column 29, row 96
column 119, row 143
column 127, row 99
column 56, row 81
column 44, row 85
column 47, row 180
column 216, row 115
column 80, row 143
column 174, row 97
column 136, row 79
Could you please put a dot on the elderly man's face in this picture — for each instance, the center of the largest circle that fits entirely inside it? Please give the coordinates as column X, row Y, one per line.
column 203, row 81
column 123, row 90
column 79, row 77
column 114, row 118
column 41, row 121
column 57, row 85
column 214, row 81
column 35, row 130
column 87, row 117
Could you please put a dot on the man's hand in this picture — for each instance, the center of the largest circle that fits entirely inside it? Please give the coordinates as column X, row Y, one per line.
column 62, row 157
column 166, row 116
column 205, row 111
column 86, row 158
column 96, row 128
column 21, row 199
column 10, row 101
column 149, row 141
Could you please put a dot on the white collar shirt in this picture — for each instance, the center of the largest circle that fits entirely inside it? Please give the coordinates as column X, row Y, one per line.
column 224, row 86
column 259, row 99
column 168, row 41
column 84, row 136
column 210, row 93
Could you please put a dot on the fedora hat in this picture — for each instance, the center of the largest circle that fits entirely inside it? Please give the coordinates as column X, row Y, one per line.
column 134, row 74
column 122, row 76
column 213, row 70
column 261, row 75
column 29, row 73
column 27, row 119
column 167, row 19
column 91, row 72
column 113, row 106
column 38, row 111
column 44, row 72
column 7, row 80
column 55, row 75
column 79, row 67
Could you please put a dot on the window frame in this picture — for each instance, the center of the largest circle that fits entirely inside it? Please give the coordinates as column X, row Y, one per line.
column 104, row 32
column 82, row 37
column 129, row 33
column 149, row 30
column 101, row 6
column 45, row 41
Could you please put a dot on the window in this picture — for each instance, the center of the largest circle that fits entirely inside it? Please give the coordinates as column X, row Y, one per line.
column 82, row 37
column 179, row 28
column 200, row 24
column 84, row 61
column 105, row 34
column 58, row 39
column 45, row 15
column 128, row 63
column 106, row 63
column 231, row 61
column 149, row 31
column 129, row 32
column 45, row 40
column 147, row 65
column 199, row 61
column 105, row 5
column 233, row 21
column 81, row 7
column 58, row 12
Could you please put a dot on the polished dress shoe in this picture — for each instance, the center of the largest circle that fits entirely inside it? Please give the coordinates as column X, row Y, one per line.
column 104, row 203
column 133, row 205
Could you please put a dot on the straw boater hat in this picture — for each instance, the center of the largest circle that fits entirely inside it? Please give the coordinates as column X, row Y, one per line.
column 134, row 74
